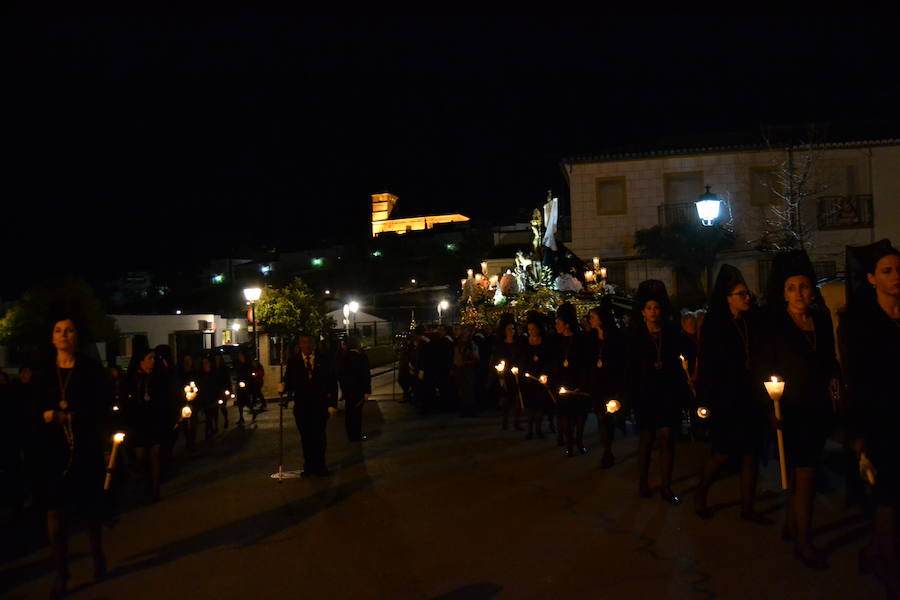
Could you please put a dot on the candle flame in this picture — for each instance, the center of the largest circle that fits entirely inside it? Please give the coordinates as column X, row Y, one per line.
column 703, row 412
column 774, row 379
column 543, row 379
column 242, row 384
column 613, row 406
column 117, row 438
column 515, row 370
column 500, row 366
column 563, row 390
column 221, row 402
column 115, row 408
column 186, row 412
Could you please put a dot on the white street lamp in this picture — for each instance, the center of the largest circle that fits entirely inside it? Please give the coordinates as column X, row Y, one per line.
column 346, row 318
column 708, row 205
column 354, row 308
column 252, row 295
column 442, row 306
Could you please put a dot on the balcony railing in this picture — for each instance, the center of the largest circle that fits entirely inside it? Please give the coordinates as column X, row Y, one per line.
column 844, row 212
column 682, row 212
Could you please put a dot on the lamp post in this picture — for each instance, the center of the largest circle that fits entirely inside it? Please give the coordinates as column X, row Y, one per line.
column 252, row 295
column 708, row 206
column 354, row 308
column 441, row 307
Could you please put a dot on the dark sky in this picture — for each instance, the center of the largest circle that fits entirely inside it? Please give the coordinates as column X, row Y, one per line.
column 123, row 135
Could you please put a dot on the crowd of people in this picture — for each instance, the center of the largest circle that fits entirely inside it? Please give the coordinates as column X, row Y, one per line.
column 648, row 367
column 660, row 371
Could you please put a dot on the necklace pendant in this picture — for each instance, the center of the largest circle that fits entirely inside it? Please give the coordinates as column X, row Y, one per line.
column 63, row 405
column 600, row 363
column 535, row 358
column 565, row 364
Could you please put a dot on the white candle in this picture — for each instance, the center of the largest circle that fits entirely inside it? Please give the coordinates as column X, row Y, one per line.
column 500, row 366
column 484, row 267
column 775, row 389
column 470, row 272
column 602, row 272
column 596, row 262
column 588, row 276
column 117, row 439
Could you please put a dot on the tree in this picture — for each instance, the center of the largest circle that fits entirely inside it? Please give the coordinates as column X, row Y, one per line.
column 793, row 181
column 288, row 311
column 689, row 248
column 25, row 329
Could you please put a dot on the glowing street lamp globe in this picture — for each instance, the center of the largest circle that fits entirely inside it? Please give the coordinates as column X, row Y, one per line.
column 708, row 205
column 252, row 294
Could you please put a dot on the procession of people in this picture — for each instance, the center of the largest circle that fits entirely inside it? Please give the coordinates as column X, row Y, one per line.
column 641, row 369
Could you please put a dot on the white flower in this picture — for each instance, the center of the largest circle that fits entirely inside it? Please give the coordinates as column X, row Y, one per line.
column 567, row 283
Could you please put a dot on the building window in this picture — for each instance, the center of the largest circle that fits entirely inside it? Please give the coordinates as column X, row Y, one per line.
column 682, row 188
column 765, row 184
column 611, row 196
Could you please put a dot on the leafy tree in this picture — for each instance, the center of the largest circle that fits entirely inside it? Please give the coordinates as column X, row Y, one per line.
column 288, row 311
column 689, row 248
column 25, row 328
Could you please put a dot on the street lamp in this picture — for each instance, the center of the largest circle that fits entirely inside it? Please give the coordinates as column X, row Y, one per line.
column 708, row 205
column 346, row 319
column 354, row 308
column 252, row 295
column 442, row 306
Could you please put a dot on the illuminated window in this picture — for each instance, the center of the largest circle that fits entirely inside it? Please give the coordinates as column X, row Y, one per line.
column 218, row 278
column 317, row 262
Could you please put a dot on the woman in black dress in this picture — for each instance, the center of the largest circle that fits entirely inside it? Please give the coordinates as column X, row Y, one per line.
column 536, row 360
column 606, row 361
column 73, row 397
column 222, row 377
column 729, row 384
column 870, row 332
column 656, row 383
column 800, row 350
column 571, row 370
column 150, row 410
column 508, row 392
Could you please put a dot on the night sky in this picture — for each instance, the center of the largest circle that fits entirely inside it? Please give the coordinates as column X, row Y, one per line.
column 129, row 143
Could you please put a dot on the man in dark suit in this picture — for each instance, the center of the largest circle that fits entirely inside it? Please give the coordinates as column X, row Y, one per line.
column 311, row 380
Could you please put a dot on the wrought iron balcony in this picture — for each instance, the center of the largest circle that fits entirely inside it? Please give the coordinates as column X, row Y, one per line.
column 682, row 212
column 844, row 212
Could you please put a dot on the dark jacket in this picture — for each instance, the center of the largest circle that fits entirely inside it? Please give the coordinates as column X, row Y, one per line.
column 311, row 392
column 645, row 385
column 354, row 376
column 806, row 371
column 89, row 400
column 571, row 363
column 605, row 381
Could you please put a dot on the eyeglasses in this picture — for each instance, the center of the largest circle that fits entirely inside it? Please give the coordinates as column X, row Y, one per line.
column 743, row 294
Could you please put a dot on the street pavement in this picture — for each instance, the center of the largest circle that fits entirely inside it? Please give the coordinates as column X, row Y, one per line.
column 442, row 507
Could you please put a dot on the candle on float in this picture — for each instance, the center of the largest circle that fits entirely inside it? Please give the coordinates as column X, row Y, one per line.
column 613, row 406
column 462, row 283
column 484, row 267
column 118, row 438
column 470, row 272
column 588, row 276
column 478, row 277
column 187, row 390
column 602, row 272
column 596, row 262
column 494, row 279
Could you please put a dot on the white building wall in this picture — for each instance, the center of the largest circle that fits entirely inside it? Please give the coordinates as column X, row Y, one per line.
column 157, row 328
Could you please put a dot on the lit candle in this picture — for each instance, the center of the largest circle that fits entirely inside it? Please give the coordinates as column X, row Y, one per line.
column 242, row 384
column 602, row 272
column 116, row 408
column 117, row 439
column 703, row 412
column 588, row 276
column 543, row 379
column 776, row 390
column 500, row 366
column 484, row 267
column 613, row 406
column 563, row 390
column 596, row 262
column 186, row 412
column 494, row 279
column 515, row 371
column 477, row 276
column 462, row 283
column 469, row 272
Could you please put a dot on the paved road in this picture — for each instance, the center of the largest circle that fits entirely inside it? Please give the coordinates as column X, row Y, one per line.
column 441, row 507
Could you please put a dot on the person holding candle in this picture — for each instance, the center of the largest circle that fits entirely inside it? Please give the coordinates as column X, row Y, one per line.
column 571, row 370
column 73, row 397
column 656, row 384
column 605, row 359
column 800, row 351
column 222, row 385
column 257, row 377
column 207, row 398
column 148, row 411
column 728, row 385
column 535, row 359
column 243, row 398
column 504, row 384
column 870, row 334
